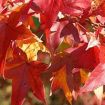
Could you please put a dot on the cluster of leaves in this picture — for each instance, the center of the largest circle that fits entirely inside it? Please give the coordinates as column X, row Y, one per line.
column 64, row 39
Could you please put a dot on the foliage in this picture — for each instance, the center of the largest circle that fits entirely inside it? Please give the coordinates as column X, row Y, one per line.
column 56, row 42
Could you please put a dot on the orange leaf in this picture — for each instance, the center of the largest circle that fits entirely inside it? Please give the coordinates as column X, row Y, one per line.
column 59, row 81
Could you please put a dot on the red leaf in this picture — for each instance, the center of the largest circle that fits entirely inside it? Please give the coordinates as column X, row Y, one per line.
column 50, row 9
column 77, row 57
column 75, row 7
column 24, row 75
column 82, row 58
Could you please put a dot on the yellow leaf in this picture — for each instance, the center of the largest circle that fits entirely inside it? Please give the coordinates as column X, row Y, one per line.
column 31, row 46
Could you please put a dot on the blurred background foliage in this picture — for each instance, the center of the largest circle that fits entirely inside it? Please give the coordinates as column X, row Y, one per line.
column 56, row 98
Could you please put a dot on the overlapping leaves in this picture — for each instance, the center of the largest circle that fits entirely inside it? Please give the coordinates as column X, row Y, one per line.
column 70, row 34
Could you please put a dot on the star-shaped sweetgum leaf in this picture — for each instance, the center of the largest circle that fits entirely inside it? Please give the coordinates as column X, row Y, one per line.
column 75, row 58
column 25, row 75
